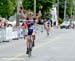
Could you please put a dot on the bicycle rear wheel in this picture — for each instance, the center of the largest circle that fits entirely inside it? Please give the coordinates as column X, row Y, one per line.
column 29, row 54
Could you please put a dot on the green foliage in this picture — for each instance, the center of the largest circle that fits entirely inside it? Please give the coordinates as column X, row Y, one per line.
column 46, row 4
column 7, row 7
column 27, row 4
column 61, row 8
column 69, row 7
column 68, row 10
column 47, row 15
column 14, row 3
column 60, row 20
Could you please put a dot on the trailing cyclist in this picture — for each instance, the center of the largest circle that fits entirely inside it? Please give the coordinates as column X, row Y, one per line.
column 47, row 25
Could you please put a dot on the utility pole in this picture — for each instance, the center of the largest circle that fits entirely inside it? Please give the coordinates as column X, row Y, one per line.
column 17, row 14
column 34, row 7
column 56, row 4
column 72, row 9
column 65, row 6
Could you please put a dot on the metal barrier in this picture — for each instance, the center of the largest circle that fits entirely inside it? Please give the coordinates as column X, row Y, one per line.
column 7, row 33
column 10, row 34
column 20, row 32
column 2, row 34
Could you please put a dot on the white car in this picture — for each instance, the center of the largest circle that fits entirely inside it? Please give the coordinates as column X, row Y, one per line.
column 12, row 23
column 65, row 24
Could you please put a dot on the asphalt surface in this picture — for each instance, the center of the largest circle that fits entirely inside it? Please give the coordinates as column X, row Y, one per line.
column 58, row 46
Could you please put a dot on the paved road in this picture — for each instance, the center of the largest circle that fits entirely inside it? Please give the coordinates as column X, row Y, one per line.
column 59, row 46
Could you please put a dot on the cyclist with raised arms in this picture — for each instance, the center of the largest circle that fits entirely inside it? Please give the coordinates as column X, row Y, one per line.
column 31, row 29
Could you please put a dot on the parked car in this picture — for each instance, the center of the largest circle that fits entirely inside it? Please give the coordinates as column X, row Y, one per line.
column 21, row 21
column 13, row 23
column 65, row 25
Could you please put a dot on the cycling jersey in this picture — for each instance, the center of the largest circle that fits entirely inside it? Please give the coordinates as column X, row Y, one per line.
column 31, row 26
column 24, row 26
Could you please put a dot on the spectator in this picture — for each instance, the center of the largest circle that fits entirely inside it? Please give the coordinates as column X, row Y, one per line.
column 51, row 22
column 0, row 23
column 54, row 23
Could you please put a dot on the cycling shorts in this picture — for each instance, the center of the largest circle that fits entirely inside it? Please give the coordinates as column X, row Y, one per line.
column 30, row 31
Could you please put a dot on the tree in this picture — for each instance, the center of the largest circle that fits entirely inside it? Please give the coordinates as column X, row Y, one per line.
column 70, row 8
column 7, row 8
column 62, row 7
column 14, row 3
column 46, row 5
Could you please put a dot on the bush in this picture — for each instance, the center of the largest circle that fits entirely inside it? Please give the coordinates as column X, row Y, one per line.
column 60, row 20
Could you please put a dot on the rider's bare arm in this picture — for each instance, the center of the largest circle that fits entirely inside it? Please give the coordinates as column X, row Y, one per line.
column 22, row 14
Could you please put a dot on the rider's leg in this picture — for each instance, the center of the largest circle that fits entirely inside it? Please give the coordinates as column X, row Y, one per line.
column 33, row 35
column 48, row 30
column 27, row 44
column 28, row 40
